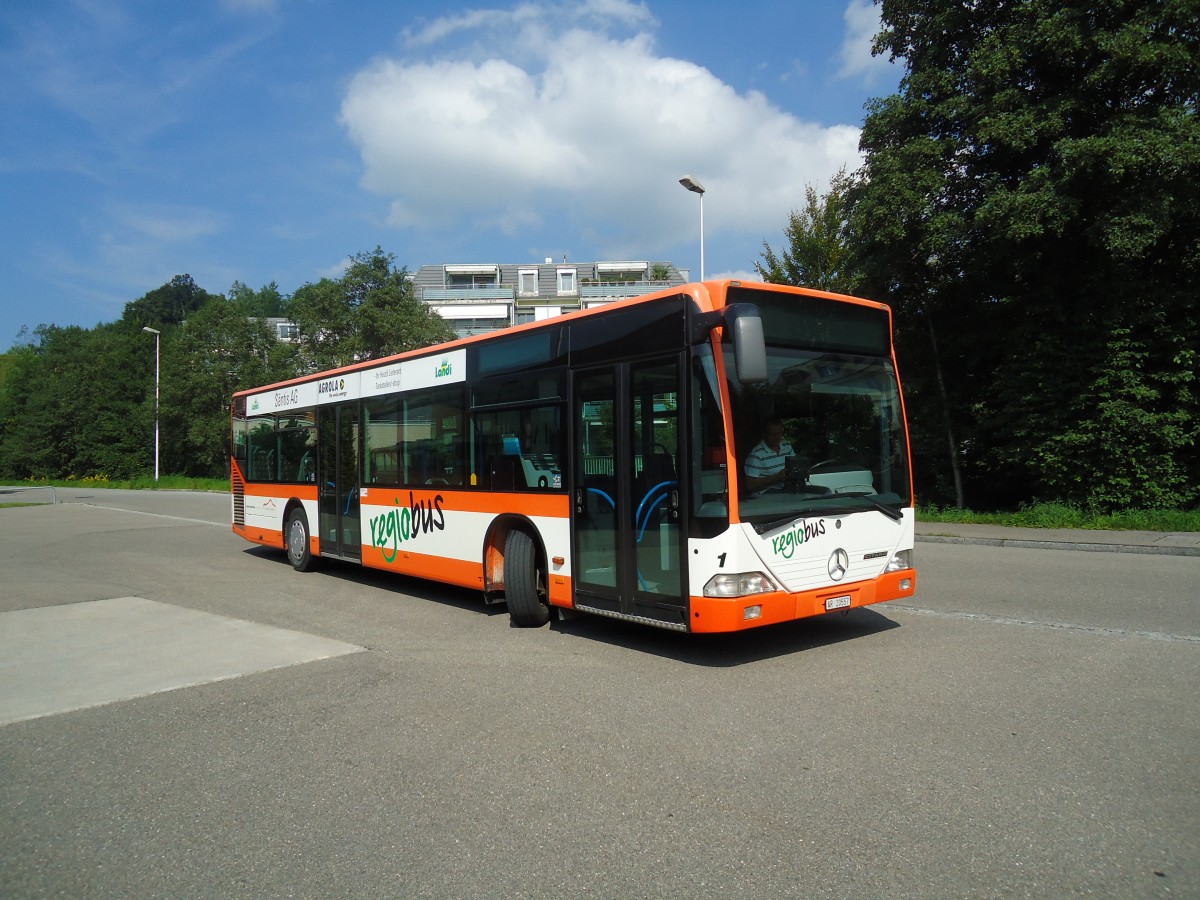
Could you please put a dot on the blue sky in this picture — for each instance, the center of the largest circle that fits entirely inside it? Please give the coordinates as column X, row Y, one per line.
column 269, row 140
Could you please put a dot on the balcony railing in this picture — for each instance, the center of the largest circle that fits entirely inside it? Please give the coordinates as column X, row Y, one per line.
column 493, row 293
column 621, row 288
column 467, row 294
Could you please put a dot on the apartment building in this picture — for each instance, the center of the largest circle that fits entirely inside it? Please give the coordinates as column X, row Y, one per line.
column 476, row 299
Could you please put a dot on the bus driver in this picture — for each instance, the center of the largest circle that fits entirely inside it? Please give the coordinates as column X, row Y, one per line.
column 766, row 464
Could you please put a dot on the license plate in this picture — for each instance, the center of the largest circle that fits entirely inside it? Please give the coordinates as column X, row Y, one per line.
column 837, row 603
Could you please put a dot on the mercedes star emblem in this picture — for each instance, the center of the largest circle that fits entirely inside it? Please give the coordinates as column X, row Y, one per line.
column 839, row 564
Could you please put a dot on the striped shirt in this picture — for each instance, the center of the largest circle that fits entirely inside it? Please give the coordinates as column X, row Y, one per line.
column 763, row 461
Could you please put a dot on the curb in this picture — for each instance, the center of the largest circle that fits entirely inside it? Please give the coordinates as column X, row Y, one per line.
column 1026, row 544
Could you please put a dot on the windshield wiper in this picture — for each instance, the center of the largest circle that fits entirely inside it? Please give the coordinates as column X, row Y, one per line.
column 841, row 509
column 764, row 527
column 892, row 513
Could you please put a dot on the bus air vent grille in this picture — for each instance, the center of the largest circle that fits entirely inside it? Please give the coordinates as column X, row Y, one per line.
column 239, row 499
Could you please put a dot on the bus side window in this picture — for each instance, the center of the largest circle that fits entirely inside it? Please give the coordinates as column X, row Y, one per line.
column 454, row 463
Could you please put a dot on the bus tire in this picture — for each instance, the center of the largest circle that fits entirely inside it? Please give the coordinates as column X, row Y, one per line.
column 296, row 539
column 524, row 584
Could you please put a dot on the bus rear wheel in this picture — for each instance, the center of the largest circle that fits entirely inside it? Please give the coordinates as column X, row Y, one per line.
column 524, row 582
column 299, row 549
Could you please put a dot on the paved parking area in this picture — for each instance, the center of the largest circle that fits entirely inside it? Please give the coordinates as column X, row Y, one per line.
column 1025, row 726
column 56, row 659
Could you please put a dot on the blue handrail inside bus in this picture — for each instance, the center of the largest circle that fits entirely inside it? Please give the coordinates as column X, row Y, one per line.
column 639, row 522
column 663, row 489
column 610, row 500
column 654, row 496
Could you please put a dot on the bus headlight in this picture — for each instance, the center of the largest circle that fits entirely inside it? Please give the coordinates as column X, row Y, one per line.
column 902, row 559
column 738, row 585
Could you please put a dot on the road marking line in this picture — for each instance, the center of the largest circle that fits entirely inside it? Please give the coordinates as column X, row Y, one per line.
column 1063, row 626
column 139, row 512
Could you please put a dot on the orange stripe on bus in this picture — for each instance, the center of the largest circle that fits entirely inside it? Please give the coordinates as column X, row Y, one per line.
column 453, row 571
column 266, row 536
column 549, row 505
column 530, row 504
column 281, row 491
column 712, row 614
column 421, row 565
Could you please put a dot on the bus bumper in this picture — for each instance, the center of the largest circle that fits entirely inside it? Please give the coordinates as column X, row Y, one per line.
column 720, row 614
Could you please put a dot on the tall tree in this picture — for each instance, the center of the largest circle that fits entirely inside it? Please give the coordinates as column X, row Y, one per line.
column 371, row 311
column 23, row 445
column 816, row 252
column 219, row 350
column 170, row 304
column 78, row 403
column 267, row 302
column 1031, row 197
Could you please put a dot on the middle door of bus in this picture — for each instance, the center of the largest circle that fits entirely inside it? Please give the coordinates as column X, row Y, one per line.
column 627, row 513
column 338, row 443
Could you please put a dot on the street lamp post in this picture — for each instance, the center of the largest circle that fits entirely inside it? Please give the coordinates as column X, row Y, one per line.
column 157, row 334
column 697, row 188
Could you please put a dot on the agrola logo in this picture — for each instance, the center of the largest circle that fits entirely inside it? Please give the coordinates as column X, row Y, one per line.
column 331, row 386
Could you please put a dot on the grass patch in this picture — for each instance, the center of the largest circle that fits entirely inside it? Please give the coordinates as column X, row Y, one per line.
column 1065, row 515
column 147, row 483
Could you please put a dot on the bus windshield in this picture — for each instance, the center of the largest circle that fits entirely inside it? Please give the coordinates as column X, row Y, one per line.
column 824, row 434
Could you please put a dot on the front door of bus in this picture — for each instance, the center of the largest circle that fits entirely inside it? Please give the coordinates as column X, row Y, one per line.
column 339, row 448
column 627, row 513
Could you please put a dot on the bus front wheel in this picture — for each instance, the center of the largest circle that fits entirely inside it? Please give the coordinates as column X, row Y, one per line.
column 299, row 549
column 524, row 583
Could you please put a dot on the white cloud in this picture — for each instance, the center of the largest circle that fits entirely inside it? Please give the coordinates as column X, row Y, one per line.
column 733, row 275
column 163, row 222
column 862, row 24
column 441, row 28
column 580, row 124
column 337, row 270
column 115, row 72
column 138, row 244
column 534, row 18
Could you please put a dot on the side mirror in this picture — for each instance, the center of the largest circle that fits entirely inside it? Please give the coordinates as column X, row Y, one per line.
column 744, row 325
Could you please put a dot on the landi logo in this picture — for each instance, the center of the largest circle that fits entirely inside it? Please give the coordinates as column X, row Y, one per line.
column 254, row 405
column 443, row 370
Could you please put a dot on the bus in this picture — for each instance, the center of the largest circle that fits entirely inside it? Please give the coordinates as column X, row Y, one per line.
column 607, row 461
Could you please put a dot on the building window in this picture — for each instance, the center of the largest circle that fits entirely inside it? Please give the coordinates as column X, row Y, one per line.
column 566, row 282
column 470, row 281
column 471, row 276
column 527, row 282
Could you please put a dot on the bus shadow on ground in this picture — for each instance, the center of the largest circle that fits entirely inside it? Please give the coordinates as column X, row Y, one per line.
column 420, row 589
column 713, row 650
column 728, row 650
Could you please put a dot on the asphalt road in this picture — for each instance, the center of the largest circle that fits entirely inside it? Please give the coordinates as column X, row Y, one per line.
column 1027, row 725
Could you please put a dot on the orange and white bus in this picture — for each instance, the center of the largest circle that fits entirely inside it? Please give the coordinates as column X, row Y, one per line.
column 597, row 461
